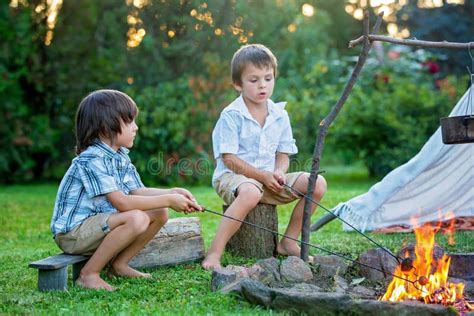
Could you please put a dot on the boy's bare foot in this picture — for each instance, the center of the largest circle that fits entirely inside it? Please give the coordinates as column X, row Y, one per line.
column 290, row 249
column 127, row 272
column 93, row 281
column 211, row 262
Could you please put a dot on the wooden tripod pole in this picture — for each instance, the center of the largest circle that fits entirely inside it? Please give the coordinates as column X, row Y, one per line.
column 324, row 125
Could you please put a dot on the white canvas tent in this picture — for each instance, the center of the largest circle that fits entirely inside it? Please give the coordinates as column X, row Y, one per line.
column 438, row 180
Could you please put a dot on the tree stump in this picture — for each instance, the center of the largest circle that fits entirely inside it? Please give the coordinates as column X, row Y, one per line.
column 252, row 242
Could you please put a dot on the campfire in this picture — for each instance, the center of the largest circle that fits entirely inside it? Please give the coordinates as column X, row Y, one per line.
column 424, row 278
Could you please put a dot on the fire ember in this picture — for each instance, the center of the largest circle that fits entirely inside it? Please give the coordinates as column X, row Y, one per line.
column 425, row 278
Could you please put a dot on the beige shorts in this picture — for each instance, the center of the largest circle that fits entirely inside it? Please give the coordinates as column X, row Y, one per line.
column 85, row 238
column 228, row 183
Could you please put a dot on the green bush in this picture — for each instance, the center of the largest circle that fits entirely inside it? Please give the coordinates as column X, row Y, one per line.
column 175, row 124
column 179, row 76
column 392, row 112
column 25, row 135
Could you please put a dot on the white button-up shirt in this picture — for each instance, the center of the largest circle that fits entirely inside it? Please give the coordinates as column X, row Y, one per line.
column 237, row 132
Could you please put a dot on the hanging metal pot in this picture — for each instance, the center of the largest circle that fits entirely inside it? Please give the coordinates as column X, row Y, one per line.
column 458, row 129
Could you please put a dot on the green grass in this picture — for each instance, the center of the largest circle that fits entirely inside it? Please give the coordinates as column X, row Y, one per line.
column 25, row 212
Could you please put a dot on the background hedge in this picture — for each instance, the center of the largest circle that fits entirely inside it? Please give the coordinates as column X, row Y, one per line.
column 173, row 59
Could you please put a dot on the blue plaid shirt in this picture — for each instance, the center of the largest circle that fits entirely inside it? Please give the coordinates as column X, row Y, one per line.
column 96, row 171
column 237, row 132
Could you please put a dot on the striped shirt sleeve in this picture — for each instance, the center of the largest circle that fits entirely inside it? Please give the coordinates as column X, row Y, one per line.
column 132, row 179
column 97, row 178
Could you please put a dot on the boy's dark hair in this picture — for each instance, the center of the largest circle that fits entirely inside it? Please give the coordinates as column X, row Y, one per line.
column 100, row 114
column 257, row 54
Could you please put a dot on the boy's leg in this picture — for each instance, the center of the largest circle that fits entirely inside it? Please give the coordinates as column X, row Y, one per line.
column 248, row 196
column 158, row 219
column 290, row 247
column 124, row 229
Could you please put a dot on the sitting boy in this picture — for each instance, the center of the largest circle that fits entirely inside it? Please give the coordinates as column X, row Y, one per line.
column 252, row 141
column 102, row 208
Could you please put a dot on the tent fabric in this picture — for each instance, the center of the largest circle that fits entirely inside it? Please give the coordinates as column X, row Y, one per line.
column 446, row 227
column 435, row 182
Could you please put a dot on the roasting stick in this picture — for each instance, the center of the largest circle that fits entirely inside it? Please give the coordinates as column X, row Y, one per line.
column 399, row 260
column 205, row 209
column 406, row 263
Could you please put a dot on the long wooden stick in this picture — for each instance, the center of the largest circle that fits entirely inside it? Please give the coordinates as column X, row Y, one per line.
column 411, row 42
column 324, row 125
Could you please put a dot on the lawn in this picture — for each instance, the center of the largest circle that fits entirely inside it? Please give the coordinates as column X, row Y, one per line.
column 25, row 212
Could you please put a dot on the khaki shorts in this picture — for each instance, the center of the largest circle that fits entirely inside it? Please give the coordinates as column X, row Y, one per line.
column 85, row 238
column 228, row 183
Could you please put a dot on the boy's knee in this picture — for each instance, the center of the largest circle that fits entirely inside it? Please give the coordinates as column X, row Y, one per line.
column 321, row 187
column 139, row 221
column 250, row 193
column 162, row 216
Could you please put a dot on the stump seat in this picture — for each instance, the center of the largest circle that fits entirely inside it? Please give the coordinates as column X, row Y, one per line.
column 252, row 242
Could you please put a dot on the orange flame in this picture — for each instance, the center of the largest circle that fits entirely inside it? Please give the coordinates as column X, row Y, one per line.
column 449, row 229
column 427, row 281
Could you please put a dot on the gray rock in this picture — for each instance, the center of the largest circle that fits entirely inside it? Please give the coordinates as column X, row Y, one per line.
column 295, row 270
column 456, row 280
column 221, row 278
column 379, row 259
column 240, row 271
column 315, row 303
column 469, row 289
column 266, row 271
column 462, row 265
column 271, row 265
column 235, row 286
column 330, row 265
column 340, row 284
column 307, row 299
column 255, row 292
column 360, row 291
column 305, row 288
column 332, row 303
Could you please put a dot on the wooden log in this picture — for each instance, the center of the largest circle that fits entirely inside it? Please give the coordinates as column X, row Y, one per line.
column 179, row 241
column 252, row 242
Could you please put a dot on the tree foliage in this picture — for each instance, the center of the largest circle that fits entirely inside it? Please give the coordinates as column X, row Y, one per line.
column 173, row 58
column 437, row 24
column 23, row 121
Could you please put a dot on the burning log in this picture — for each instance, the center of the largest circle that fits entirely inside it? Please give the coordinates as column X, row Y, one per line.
column 407, row 264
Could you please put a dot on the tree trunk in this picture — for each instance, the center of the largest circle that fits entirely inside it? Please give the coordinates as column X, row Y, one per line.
column 253, row 242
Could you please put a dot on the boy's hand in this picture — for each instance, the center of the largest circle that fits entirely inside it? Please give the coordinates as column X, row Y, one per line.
column 184, row 192
column 181, row 203
column 280, row 176
column 271, row 182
